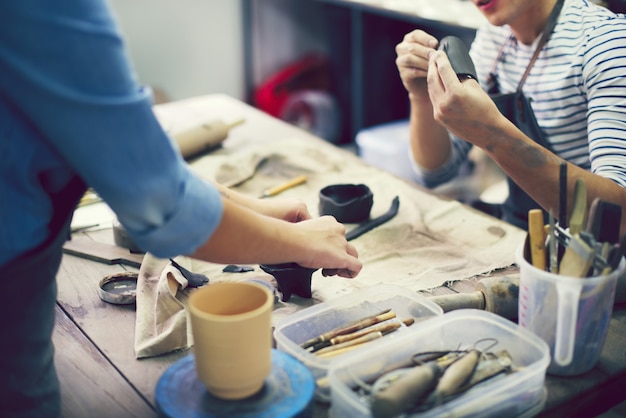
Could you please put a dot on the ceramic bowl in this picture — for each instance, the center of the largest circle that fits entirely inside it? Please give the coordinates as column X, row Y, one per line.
column 348, row 203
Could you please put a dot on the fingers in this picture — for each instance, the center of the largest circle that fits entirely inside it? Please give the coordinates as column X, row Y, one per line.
column 444, row 68
column 412, row 54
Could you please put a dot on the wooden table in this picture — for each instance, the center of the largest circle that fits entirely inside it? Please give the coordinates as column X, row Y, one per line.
column 96, row 363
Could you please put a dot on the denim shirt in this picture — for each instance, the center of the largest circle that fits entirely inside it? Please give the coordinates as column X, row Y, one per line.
column 70, row 104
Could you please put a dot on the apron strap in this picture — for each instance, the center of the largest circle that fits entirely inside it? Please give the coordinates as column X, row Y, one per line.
column 547, row 32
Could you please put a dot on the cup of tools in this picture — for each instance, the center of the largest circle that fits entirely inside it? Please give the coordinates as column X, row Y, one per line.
column 571, row 314
column 232, row 332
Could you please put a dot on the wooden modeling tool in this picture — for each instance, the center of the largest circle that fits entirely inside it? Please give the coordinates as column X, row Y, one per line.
column 537, row 237
column 296, row 181
column 577, row 220
column 577, row 259
column 345, row 343
column 350, row 327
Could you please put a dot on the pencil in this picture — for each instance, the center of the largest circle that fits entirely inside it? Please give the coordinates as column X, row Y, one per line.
column 296, row 181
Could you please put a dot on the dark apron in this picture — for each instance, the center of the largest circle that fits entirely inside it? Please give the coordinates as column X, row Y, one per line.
column 516, row 108
column 28, row 382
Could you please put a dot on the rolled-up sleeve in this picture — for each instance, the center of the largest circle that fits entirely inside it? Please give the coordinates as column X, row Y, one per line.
column 66, row 76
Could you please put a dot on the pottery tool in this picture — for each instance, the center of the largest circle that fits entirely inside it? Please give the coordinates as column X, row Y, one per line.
column 373, row 223
column 339, row 349
column 554, row 253
column 563, row 195
column 101, row 252
column 288, row 391
column 537, row 238
column 616, row 256
column 204, row 137
column 494, row 294
column 193, row 279
column 577, row 220
column 457, row 374
column 604, row 220
column 578, row 258
column 296, row 181
column 350, row 327
column 403, row 392
column 341, row 342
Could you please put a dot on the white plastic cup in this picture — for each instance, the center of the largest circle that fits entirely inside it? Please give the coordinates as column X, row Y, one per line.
column 570, row 314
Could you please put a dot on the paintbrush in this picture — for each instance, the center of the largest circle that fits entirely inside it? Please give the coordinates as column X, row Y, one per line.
column 350, row 327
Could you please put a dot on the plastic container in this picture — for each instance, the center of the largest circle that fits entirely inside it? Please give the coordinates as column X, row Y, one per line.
column 386, row 146
column 316, row 320
column 521, row 393
column 571, row 314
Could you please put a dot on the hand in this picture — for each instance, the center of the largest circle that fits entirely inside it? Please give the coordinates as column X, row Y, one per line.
column 290, row 210
column 462, row 107
column 412, row 59
column 328, row 248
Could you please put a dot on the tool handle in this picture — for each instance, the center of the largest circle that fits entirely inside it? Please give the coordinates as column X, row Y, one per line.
column 285, row 186
column 451, row 302
column 404, row 392
column 537, row 237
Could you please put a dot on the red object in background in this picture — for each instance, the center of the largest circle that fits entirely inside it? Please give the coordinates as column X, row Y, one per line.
column 308, row 73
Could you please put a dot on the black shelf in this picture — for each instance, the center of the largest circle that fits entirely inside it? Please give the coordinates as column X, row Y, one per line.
column 361, row 40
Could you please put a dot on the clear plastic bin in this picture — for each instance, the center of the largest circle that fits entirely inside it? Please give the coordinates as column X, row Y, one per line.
column 521, row 393
column 316, row 320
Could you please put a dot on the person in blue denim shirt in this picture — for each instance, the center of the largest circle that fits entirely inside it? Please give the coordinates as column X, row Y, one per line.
column 72, row 115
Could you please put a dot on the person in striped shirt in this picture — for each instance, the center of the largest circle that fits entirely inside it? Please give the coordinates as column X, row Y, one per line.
column 576, row 89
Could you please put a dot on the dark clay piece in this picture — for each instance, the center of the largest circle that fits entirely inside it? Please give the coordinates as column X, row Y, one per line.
column 291, row 279
column 459, row 57
column 348, row 203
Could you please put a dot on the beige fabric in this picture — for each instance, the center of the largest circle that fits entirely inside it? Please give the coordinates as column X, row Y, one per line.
column 430, row 241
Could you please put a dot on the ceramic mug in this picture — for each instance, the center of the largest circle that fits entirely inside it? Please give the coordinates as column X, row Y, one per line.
column 231, row 325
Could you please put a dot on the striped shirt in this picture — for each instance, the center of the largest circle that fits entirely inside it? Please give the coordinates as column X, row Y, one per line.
column 577, row 88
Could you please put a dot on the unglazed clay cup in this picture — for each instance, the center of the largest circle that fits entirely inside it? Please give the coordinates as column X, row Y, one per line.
column 231, row 325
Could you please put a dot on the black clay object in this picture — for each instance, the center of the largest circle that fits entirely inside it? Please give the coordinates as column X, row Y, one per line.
column 291, row 278
column 459, row 57
column 368, row 226
column 193, row 279
column 348, row 203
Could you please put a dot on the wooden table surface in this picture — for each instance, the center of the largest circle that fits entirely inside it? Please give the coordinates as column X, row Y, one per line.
column 95, row 359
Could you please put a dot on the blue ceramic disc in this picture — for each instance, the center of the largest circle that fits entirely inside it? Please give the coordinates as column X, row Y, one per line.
column 287, row 393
